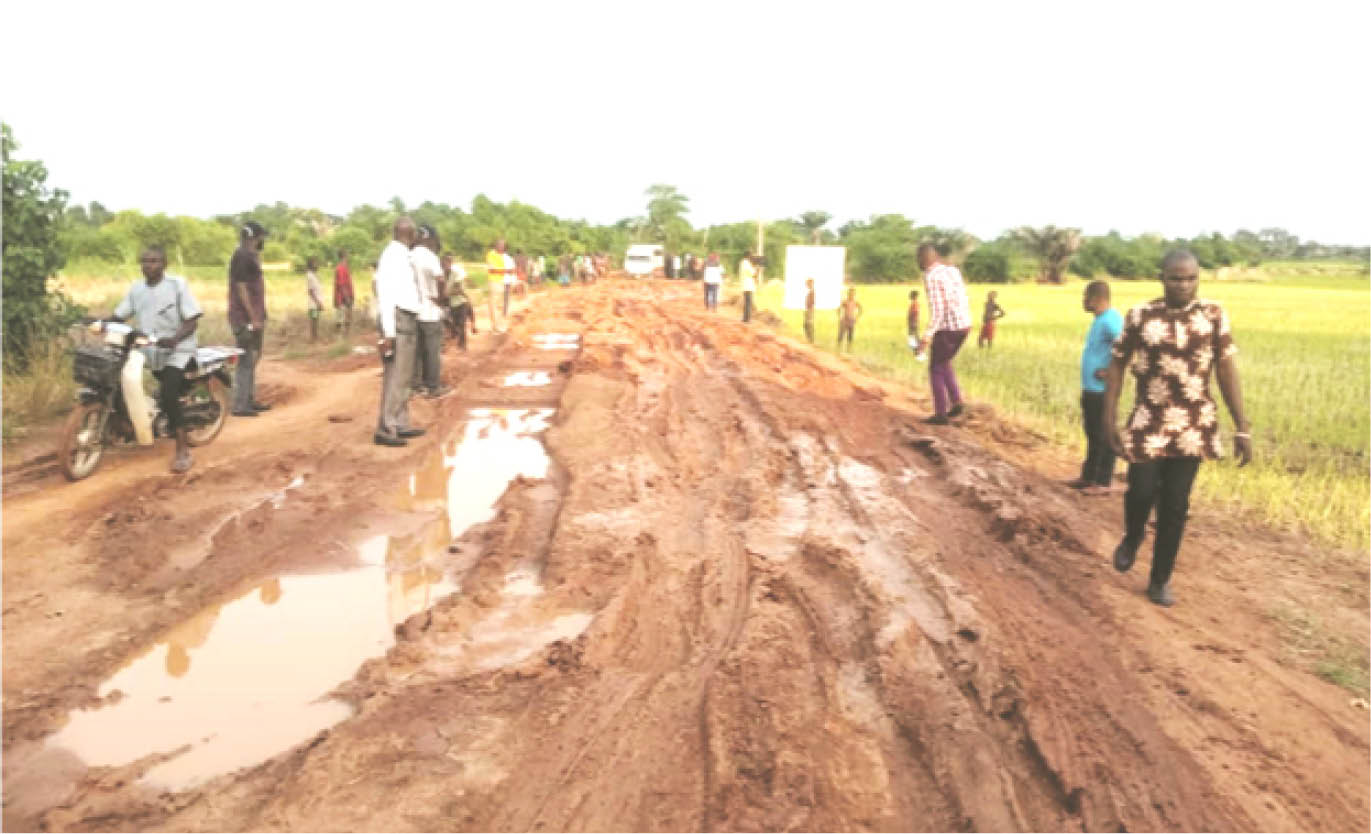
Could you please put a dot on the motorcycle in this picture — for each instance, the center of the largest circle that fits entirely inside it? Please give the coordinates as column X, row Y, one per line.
column 113, row 408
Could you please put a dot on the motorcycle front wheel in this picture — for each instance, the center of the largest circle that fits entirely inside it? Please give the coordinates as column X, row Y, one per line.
column 82, row 444
column 207, row 397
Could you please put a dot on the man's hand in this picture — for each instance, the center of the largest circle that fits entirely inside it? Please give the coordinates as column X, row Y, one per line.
column 1102, row 373
column 1116, row 441
column 1242, row 449
column 386, row 347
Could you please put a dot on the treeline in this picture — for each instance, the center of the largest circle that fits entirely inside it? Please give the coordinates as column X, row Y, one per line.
column 880, row 249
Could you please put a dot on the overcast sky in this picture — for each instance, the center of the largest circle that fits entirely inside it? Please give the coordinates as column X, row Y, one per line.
column 1176, row 118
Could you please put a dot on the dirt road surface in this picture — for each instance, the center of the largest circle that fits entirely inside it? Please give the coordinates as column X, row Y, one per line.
column 649, row 569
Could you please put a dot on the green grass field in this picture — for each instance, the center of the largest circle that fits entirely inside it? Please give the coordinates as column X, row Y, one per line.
column 1305, row 360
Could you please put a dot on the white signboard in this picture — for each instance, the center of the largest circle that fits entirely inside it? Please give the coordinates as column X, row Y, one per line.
column 822, row 263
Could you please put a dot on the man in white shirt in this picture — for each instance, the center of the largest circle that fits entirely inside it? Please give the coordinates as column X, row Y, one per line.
column 713, row 277
column 397, row 300
column 747, row 275
column 428, row 271
column 949, row 320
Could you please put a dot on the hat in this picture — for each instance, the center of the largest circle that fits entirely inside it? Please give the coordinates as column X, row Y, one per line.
column 253, row 229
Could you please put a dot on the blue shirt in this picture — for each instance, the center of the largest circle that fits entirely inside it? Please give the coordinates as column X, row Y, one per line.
column 1098, row 341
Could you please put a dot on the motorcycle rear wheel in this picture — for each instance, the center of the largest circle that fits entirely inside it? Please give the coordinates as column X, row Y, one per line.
column 208, row 391
column 82, row 446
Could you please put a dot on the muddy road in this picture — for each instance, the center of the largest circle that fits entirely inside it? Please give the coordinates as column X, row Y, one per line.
column 650, row 569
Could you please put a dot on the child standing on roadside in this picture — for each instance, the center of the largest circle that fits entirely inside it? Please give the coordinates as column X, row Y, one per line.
column 848, row 312
column 911, row 318
column 809, row 310
column 993, row 312
column 316, row 297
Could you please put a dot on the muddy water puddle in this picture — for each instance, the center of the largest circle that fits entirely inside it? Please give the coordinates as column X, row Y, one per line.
column 527, row 379
column 248, row 678
column 557, row 341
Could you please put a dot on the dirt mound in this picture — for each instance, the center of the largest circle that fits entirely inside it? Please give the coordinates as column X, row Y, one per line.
column 750, row 592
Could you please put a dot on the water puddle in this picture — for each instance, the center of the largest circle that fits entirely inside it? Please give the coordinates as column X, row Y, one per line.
column 247, row 679
column 528, row 379
column 189, row 557
column 557, row 341
column 516, row 629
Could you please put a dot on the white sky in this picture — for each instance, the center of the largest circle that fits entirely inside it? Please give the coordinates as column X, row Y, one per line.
column 1178, row 118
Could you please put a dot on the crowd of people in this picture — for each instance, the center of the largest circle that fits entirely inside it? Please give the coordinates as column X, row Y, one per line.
column 1171, row 345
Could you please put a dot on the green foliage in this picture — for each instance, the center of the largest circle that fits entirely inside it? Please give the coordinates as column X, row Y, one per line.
column 989, row 264
column 882, row 249
column 33, row 220
column 1053, row 247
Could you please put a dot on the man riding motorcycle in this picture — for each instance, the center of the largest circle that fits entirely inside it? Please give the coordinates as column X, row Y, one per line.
column 167, row 312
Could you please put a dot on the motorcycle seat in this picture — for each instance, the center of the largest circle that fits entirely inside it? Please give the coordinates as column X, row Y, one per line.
column 212, row 355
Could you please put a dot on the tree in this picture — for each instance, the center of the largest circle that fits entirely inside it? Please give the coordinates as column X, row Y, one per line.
column 813, row 223
column 882, row 249
column 32, row 252
column 1053, row 248
column 665, row 209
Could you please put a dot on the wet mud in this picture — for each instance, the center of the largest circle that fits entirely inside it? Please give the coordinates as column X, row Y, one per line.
column 651, row 569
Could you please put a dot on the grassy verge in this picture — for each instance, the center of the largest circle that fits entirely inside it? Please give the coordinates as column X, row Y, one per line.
column 1305, row 364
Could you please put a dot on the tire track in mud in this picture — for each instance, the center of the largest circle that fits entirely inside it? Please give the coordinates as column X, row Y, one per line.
column 804, row 614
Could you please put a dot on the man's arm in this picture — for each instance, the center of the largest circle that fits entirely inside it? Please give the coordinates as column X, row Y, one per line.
column 1231, row 389
column 937, row 306
column 247, row 305
column 187, row 327
column 1113, row 387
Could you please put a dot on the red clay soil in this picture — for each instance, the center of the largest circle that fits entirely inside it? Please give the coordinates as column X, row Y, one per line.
column 795, row 608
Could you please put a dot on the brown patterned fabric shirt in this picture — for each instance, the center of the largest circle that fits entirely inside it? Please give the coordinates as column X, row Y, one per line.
column 1173, row 353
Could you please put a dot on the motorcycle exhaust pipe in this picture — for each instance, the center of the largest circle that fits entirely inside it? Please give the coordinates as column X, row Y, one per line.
column 135, row 398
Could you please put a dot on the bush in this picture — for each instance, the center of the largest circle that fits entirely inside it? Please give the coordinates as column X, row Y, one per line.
column 988, row 264
column 32, row 252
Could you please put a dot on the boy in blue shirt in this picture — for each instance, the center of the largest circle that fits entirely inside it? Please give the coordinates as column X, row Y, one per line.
column 1098, row 470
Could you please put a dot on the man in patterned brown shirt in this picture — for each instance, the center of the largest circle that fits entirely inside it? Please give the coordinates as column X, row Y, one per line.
column 1171, row 344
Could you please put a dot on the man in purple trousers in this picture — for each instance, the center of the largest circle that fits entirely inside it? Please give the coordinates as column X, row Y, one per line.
column 949, row 322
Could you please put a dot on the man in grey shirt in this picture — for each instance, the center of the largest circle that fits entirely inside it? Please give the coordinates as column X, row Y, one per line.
column 167, row 312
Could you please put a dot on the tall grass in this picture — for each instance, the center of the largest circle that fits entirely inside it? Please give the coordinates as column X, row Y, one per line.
column 42, row 391
column 1304, row 344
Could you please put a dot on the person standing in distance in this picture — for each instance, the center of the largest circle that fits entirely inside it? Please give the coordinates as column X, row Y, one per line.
column 397, row 300
column 949, row 322
column 1171, row 344
column 247, row 315
column 342, row 294
column 1097, row 472
column 747, row 276
column 428, row 271
column 713, row 278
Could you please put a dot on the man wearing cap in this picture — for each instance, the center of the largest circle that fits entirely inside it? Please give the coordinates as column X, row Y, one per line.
column 247, row 315
column 397, row 301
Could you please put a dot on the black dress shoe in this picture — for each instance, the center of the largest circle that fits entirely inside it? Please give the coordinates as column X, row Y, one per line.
column 1161, row 595
column 410, row 432
column 1124, row 555
column 936, row 420
column 244, row 413
column 387, row 440
column 955, row 411
column 261, row 407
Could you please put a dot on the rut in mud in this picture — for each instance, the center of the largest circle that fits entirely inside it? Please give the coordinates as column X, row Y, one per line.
column 743, row 591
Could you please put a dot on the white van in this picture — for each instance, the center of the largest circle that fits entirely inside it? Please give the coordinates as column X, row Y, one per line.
column 644, row 259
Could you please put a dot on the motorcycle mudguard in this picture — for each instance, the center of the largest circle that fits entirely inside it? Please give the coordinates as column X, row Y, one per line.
column 131, row 383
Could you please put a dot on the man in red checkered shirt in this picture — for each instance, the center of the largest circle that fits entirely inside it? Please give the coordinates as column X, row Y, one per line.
column 949, row 322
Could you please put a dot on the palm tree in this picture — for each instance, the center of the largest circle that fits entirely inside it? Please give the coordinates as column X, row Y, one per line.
column 1052, row 246
column 813, row 223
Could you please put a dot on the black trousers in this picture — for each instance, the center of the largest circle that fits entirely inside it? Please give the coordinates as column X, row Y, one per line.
column 171, row 386
column 1166, row 484
column 747, row 305
column 1099, row 458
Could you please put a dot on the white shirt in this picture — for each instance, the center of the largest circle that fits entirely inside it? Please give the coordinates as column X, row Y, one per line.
column 313, row 290
column 396, row 288
column 714, row 274
column 427, row 272
column 948, row 306
column 511, row 276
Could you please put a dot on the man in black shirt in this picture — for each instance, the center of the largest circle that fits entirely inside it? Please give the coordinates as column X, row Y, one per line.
column 247, row 314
